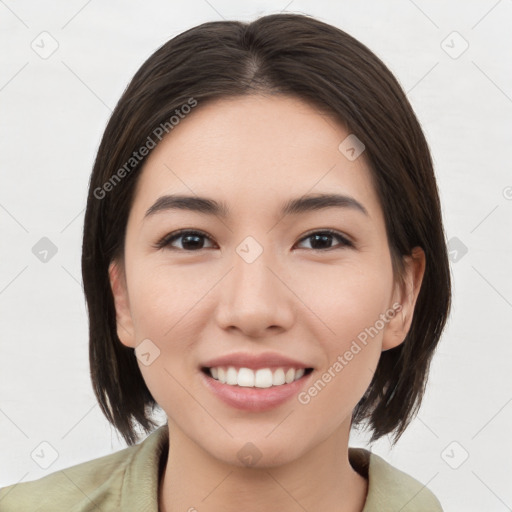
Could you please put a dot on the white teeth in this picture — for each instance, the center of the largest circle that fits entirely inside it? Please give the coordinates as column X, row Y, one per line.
column 231, row 376
column 261, row 378
column 278, row 377
column 299, row 373
column 245, row 377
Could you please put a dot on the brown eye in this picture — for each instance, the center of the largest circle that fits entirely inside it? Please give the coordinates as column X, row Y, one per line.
column 190, row 240
column 321, row 240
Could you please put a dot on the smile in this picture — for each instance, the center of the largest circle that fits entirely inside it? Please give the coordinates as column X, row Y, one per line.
column 260, row 378
column 252, row 392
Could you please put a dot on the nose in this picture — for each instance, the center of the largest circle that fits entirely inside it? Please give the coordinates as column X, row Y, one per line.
column 255, row 297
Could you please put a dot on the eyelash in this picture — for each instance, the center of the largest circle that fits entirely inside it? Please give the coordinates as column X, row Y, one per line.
column 167, row 239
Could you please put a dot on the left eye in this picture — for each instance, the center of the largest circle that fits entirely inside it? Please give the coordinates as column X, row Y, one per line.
column 194, row 240
column 320, row 238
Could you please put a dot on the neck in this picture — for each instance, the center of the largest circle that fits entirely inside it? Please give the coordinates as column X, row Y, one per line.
column 320, row 479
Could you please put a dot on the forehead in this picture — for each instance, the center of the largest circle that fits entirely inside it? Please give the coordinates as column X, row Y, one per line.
column 252, row 150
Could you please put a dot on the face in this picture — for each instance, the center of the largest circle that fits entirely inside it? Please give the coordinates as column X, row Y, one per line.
column 314, row 285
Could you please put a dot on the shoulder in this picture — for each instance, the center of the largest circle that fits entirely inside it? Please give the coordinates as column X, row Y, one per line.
column 94, row 485
column 70, row 488
column 391, row 489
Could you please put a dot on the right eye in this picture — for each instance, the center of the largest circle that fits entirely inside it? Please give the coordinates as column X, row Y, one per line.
column 192, row 240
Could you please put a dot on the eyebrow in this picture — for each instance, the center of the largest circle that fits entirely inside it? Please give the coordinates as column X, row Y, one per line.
column 291, row 207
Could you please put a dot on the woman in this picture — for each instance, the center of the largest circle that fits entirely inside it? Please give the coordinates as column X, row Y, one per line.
column 264, row 259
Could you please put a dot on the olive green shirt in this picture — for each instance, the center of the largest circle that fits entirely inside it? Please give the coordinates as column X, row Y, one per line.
column 128, row 481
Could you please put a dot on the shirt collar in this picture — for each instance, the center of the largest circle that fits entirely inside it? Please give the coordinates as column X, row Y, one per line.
column 142, row 478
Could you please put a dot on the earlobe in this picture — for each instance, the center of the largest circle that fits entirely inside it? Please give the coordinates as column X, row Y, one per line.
column 406, row 295
column 125, row 331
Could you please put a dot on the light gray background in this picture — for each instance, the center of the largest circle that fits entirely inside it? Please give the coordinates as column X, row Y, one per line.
column 53, row 112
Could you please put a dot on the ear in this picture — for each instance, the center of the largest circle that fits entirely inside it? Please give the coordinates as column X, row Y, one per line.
column 125, row 330
column 404, row 300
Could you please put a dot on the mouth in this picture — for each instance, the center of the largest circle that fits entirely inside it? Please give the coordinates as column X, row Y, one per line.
column 261, row 378
column 253, row 390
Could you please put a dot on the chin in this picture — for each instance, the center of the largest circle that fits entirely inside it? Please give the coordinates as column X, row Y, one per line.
column 260, row 453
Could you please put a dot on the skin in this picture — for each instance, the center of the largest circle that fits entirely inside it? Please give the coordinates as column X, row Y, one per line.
column 254, row 153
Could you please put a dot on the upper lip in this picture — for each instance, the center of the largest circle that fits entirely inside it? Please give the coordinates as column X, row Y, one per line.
column 255, row 361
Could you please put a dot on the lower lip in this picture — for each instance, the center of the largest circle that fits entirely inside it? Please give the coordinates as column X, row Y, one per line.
column 255, row 399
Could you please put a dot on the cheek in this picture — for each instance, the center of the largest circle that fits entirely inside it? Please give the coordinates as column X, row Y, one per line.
column 348, row 299
column 349, row 303
column 163, row 299
column 167, row 305
column 341, row 301
column 164, row 304
column 352, row 348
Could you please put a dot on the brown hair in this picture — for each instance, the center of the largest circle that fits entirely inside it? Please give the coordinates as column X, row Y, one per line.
column 287, row 54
